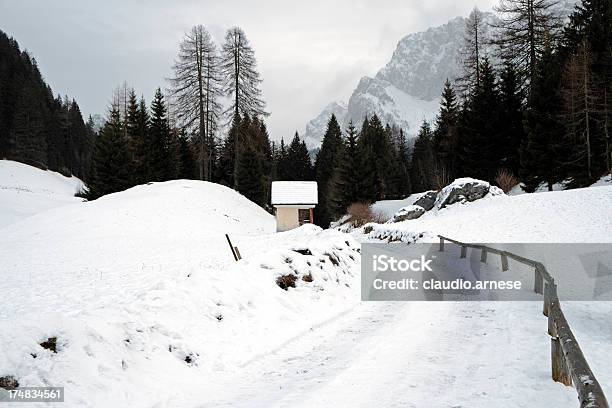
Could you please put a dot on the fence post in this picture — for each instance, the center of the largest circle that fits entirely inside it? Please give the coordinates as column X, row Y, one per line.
column 560, row 371
column 504, row 262
column 441, row 244
column 538, row 280
column 463, row 251
column 483, row 255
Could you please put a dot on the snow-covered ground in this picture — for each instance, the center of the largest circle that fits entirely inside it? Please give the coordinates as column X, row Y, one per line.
column 145, row 299
column 150, row 309
column 26, row 190
column 572, row 216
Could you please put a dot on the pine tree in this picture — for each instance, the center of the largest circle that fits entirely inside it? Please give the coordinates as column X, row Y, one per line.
column 296, row 165
column 249, row 178
column 36, row 127
column 283, row 167
column 586, row 48
column 445, row 140
column 480, row 126
column 110, row 170
column 403, row 164
column 228, row 155
column 187, row 168
column 511, row 131
column 376, row 161
column 160, row 163
column 542, row 152
column 325, row 162
column 422, row 162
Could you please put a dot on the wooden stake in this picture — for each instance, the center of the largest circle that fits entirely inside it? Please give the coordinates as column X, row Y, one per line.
column 232, row 247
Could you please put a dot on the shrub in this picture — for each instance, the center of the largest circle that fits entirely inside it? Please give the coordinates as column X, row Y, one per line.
column 361, row 214
column 505, row 180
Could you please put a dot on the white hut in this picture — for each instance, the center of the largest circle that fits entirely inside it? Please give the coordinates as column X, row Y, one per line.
column 294, row 202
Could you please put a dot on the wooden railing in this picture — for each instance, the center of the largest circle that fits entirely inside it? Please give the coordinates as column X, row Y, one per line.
column 569, row 366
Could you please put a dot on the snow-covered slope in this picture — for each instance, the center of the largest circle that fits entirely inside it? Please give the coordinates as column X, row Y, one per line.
column 143, row 295
column 26, row 190
column 579, row 215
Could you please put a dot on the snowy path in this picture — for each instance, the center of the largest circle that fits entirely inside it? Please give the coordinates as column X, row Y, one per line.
column 465, row 354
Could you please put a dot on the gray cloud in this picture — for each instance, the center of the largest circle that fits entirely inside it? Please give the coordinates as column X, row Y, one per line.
column 309, row 52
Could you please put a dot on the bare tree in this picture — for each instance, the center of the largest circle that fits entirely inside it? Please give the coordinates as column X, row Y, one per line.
column 526, row 26
column 195, row 89
column 473, row 50
column 581, row 101
column 120, row 100
column 242, row 82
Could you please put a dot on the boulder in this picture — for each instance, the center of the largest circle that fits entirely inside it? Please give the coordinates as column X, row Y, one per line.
column 410, row 212
column 464, row 190
column 427, row 200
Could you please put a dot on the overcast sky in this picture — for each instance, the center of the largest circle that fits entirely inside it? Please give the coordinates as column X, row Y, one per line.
column 309, row 52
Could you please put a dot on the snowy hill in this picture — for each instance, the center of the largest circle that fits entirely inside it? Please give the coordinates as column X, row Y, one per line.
column 26, row 190
column 145, row 301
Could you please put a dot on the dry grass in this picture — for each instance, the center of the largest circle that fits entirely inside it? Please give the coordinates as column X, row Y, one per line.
column 361, row 214
column 505, row 180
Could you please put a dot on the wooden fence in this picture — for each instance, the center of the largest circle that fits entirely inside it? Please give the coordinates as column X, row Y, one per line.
column 569, row 366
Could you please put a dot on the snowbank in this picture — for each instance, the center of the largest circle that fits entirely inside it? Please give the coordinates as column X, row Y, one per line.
column 26, row 190
column 143, row 295
column 386, row 208
column 580, row 215
column 543, row 188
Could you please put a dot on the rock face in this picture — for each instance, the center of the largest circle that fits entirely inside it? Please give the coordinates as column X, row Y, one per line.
column 465, row 190
column 410, row 212
column 407, row 89
column 428, row 200
column 315, row 129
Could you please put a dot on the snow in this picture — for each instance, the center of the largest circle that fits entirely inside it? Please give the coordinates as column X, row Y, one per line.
column 135, row 282
column 571, row 216
column 385, row 209
column 150, row 309
column 605, row 180
column 26, row 190
column 294, row 192
column 402, row 212
column 579, row 215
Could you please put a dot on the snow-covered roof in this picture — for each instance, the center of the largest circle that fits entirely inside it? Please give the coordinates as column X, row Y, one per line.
column 294, row 192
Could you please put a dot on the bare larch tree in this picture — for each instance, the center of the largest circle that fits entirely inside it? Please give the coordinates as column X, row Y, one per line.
column 242, row 81
column 472, row 52
column 195, row 89
column 526, row 26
